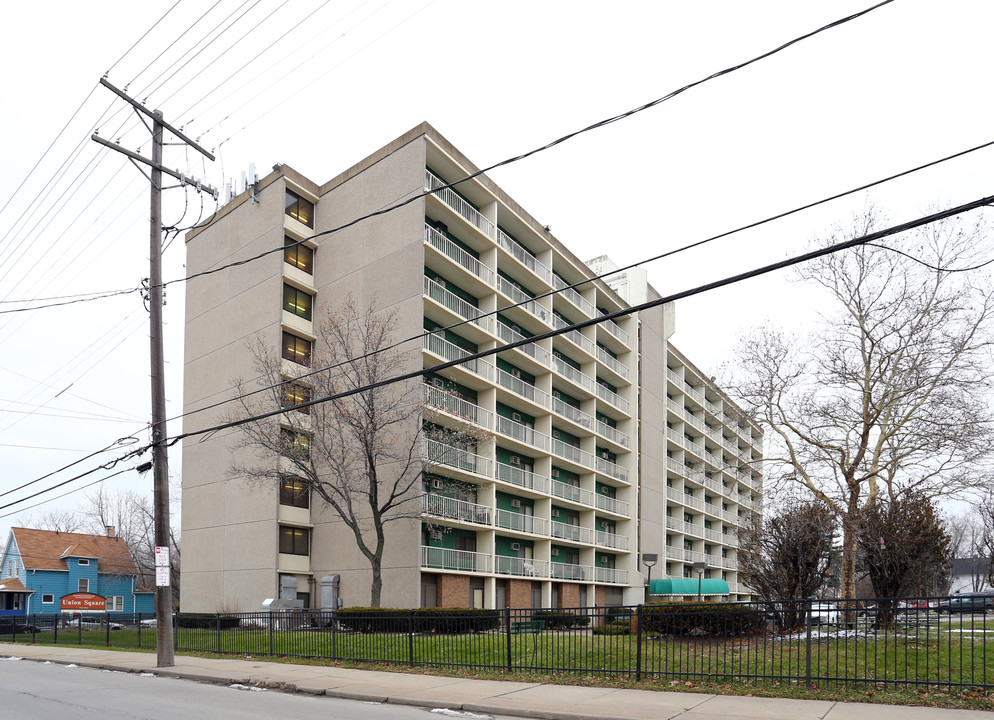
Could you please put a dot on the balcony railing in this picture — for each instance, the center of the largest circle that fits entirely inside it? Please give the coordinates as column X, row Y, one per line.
column 458, row 204
column 533, row 350
column 573, row 493
column 610, row 504
column 568, row 371
column 448, row 351
column 520, row 387
column 522, row 433
column 442, row 454
column 451, row 509
column 519, row 522
column 610, row 575
column 460, row 307
column 523, row 567
column 612, row 540
column 519, row 297
column 612, row 363
column 612, row 434
column 455, row 253
column 573, row 296
column 575, row 336
column 568, row 571
column 522, row 478
column 612, row 469
column 523, row 256
column 446, row 402
column 573, row 453
column 612, row 327
column 612, row 398
column 564, row 531
column 438, row 558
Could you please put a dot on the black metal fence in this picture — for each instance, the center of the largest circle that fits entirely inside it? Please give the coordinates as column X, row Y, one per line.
column 914, row 642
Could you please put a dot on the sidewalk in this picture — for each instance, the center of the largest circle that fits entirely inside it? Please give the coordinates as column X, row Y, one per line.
column 496, row 697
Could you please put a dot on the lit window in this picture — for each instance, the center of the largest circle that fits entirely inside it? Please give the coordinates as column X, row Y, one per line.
column 298, row 255
column 295, row 393
column 115, row 603
column 294, row 541
column 294, row 492
column 299, row 208
column 297, row 302
column 296, row 349
column 84, row 585
column 296, row 445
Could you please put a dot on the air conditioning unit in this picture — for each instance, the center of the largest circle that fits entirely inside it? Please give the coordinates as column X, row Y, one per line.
column 604, row 524
column 555, row 434
column 603, row 558
column 437, row 484
column 555, row 512
column 516, row 329
column 605, row 454
column 515, row 546
column 438, row 382
column 515, row 460
column 605, row 490
column 436, row 534
column 555, row 552
column 516, row 417
column 515, row 372
column 557, row 395
column 555, row 472
column 515, row 503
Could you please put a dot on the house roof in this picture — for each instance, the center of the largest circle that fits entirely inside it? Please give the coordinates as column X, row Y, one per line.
column 47, row 550
column 12, row 585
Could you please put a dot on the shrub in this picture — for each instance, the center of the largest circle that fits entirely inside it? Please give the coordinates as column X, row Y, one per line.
column 613, row 628
column 555, row 620
column 421, row 620
column 207, row 622
column 701, row 618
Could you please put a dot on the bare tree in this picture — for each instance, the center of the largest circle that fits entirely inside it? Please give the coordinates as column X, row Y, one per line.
column 890, row 393
column 364, row 455
column 54, row 520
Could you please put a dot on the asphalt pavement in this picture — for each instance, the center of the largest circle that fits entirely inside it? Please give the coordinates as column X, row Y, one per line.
column 495, row 697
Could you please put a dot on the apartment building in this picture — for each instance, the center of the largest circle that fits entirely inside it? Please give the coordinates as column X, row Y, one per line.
column 544, row 510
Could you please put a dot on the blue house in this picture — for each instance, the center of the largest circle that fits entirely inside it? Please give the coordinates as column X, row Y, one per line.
column 44, row 571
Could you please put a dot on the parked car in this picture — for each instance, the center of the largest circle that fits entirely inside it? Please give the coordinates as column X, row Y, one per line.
column 91, row 622
column 14, row 625
column 824, row 614
column 966, row 604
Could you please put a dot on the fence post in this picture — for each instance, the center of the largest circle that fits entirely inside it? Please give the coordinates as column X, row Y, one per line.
column 334, row 634
column 270, row 632
column 507, row 633
column 638, row 643
column 410, row 637
column 175, row 630
column 807, row 643
column 217, row 617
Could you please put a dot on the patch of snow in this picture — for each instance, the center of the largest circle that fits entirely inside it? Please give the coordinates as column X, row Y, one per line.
column 14, row 658
column 239, row 686
column 461, row 714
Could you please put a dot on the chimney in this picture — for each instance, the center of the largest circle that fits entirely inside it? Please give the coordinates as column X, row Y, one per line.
column 111, row 532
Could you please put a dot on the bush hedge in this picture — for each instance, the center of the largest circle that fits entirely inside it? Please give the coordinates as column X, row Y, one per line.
column 701, row 618
column 555, row 620
column 421, row 620
column 207, row 622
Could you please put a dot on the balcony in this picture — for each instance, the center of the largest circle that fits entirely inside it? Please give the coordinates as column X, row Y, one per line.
column 438, row 558
column 575, row 336
column 612, row 540
column 523, row 300
column 448, row 508
column 538, row 353
column 568, row 571
column 522, row 433
column 519, row 522
column 523, row 256
column 447, row 351
column 457, row 204
column 573, row 453
column 526, row 390
column 522, row 567
column 453, row 457
column 612, row 363
column 514, row 475
column 572, row 493
column 446, row 402
column 612, row 327
column 610, row 575
column 570, row 372
column 611, row 469
column 455, row 304
column 610, row 504
column 459, row 256
column 612, row 434
column 573, row 296
column 574, row 533
column 612, row 398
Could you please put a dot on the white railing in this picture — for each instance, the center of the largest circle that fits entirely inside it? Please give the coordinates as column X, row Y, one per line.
column 456, row 304
column 458, row 255
column 452, row 509
column 612, row 433
column 442, row 454
column 522, row 478
column 446, row 402
column 573, row 453
column 519, row 522
column 612, row 362
column 447, row 559
column 457, row 203
column 523, row 299
column 564, row 531
column 573, row 296
column 575, row 336
column 610, row 504
column 694, row 420
column 447, row 351
column 572, row 493
column 612, row 469
column 610, row 575
column 570, row 372
column 520, row 387
column 672, row 376
column 612, row 540
column 575, row 414
column 523, row 256
column 694, row 393
column 535, row 351
column 522, row 433
column 524, row 567
column 612, row 327
column 612, row 397
column 568, row 571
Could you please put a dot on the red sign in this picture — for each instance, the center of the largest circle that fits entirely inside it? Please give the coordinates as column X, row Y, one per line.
column 83, row 601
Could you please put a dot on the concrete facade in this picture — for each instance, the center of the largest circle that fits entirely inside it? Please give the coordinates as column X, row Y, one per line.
column 574, row 462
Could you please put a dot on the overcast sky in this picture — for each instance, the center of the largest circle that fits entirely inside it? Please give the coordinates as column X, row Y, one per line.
column 320, row 85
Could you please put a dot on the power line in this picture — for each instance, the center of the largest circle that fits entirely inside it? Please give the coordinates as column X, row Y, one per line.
column 57, row 497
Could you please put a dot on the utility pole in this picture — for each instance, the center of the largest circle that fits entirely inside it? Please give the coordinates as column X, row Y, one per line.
column 160, row 461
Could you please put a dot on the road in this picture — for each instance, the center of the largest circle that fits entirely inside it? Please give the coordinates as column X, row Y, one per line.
column 48, row 691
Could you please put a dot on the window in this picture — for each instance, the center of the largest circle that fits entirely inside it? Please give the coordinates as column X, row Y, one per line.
column 299, row 255
column 47, row 599
column 297, row 302
column 12, row 568
column 115, row 603
column 299, row 208
column 295, row 393
column 294, row 541
column 84, row 561
column 296, row 349
column 295, row 492
column 294, row 444
column 84, row 585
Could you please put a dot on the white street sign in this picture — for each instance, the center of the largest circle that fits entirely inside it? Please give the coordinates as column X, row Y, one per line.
column 161, row 557
column 162, row 576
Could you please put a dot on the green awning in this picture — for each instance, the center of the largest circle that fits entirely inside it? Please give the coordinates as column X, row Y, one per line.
column 688, row 586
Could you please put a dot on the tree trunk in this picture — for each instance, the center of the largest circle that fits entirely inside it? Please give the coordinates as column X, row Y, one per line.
column 376, row 586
